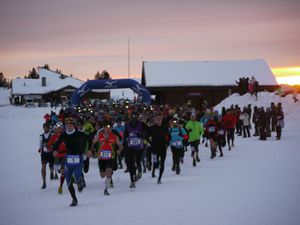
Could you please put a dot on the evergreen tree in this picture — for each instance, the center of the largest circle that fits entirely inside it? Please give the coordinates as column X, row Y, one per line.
column 97, row 76
column 105, row 75
column 2, row 80
column 33, row 74
column 46, row 66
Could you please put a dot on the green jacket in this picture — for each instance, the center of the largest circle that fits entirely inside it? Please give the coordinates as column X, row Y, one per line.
column 88, row 128
column 195, row 130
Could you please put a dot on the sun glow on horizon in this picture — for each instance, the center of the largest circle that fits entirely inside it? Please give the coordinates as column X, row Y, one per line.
column 287, row 75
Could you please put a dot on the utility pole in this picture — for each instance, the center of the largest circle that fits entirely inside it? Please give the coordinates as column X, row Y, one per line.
column 128, row 58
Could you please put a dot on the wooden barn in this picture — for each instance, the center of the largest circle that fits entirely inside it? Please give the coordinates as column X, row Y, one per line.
column 195, row 81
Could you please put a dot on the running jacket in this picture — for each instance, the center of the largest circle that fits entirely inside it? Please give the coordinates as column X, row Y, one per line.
column 75, row 142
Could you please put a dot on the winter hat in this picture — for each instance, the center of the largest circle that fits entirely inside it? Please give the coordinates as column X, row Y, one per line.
column 70, row 120
column 46, row 125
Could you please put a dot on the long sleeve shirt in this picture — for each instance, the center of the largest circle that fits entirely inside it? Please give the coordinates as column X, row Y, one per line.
column 75, row 142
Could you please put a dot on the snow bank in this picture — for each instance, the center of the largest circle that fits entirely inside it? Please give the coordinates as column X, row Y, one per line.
column 4, row 96
column 291, row 109
column 255, row 183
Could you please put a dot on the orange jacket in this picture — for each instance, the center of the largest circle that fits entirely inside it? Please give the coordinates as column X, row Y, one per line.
column 61, row 148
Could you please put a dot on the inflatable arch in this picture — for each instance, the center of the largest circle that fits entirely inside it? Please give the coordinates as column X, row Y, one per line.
column 111, row 84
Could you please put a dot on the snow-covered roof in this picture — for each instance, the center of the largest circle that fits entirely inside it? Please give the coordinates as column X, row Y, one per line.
column 54, row 82
column 124, row 93
column 206, row 73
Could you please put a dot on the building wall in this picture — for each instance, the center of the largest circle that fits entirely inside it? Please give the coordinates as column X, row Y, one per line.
column 180, row 95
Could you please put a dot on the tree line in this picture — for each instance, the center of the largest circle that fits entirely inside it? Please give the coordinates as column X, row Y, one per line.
column 104, row 75
column 33, row 74
column 4, row 82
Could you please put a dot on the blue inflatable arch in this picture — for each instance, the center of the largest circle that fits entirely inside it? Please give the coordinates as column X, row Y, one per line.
column 111, row 84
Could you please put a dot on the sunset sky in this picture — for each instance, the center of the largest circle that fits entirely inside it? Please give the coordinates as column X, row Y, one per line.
column 81, row 37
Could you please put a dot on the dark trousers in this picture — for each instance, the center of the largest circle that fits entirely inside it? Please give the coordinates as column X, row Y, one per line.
column 273, row 124
column 262, row 133
column 177, row 154
column 239, row 127
column 148, row 158
column 220, row 143
column 161, row 158
column 134, row 162
column 194, row 145
column 246, row 131
column 256, row 132
column 86, row 165
column 230, row 136
column 278, row 132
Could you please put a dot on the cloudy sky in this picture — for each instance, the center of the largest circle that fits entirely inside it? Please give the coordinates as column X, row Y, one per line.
column 81, row 37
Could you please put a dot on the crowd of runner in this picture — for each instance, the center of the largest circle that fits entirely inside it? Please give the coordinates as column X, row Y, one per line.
column 135, row 137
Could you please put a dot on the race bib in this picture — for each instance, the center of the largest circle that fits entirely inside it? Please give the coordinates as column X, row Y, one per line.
column 176, row 143
column 73, row 159
column 135, row 142
column 221, row 132
column 105, row 154
column 45, row 149
column 211, row 129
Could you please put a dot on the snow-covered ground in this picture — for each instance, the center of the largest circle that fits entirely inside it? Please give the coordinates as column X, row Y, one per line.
column 4, row 96
column 257, row 183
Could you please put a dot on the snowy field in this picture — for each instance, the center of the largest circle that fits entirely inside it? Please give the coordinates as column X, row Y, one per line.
column 257, row 183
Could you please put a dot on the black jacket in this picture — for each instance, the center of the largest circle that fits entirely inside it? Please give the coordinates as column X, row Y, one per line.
column 159, row 136
column 75, row 142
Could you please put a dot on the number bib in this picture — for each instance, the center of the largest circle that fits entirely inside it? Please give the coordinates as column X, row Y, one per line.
column 135, row 142
column 211, row 129
column 221, row 132
column 73, row 159
column 105, row 154
column 176, row 143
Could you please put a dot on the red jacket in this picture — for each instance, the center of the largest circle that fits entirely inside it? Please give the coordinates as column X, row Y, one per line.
column 211, row 127
column 229, row 121
column 61, row 148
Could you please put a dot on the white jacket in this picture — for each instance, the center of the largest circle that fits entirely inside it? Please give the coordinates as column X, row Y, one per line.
column 245, row 119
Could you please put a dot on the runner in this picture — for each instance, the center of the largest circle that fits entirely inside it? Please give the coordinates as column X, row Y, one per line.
column 119, row 126
column 229, row 124
column 159, row 136
column 75, row 143
column 59, row 160
column 221, row 140
column 134, row 141
column 109, row 146
column 177, row 134
column 46, row 154
column 88, row 140
column 195, row 130
column 212, row 132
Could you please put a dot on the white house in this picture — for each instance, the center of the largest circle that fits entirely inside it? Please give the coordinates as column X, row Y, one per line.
column 53, row 86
